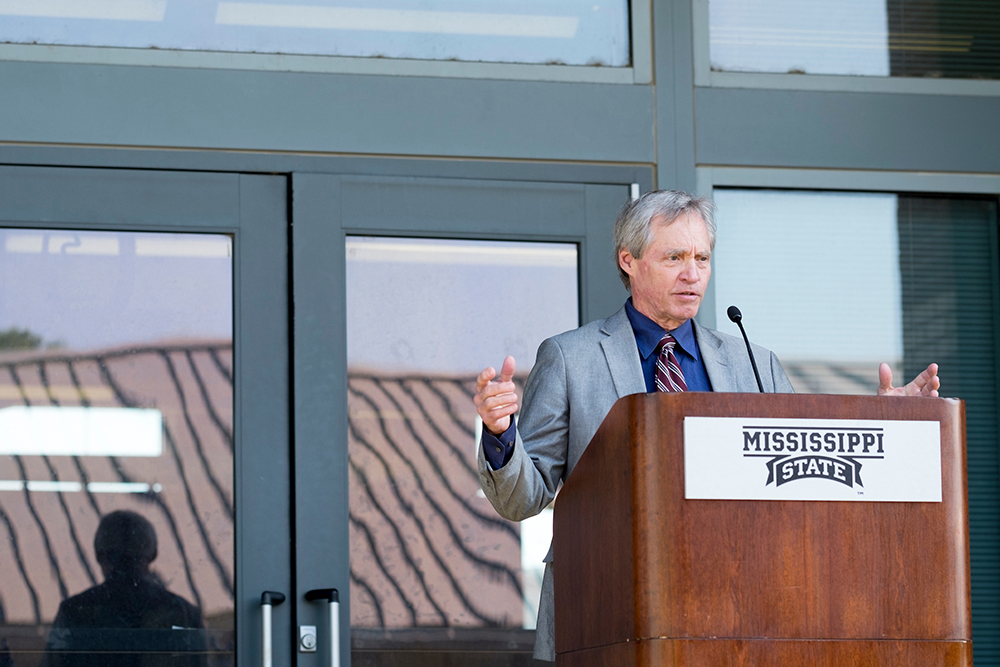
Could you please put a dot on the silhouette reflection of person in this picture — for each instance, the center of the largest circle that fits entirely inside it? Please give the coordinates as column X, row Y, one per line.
column 130, row 620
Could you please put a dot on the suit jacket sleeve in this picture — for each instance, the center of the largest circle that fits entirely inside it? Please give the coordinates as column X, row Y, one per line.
column 528, row 483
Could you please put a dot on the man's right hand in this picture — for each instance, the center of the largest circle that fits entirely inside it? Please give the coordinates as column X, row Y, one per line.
column 496, row 401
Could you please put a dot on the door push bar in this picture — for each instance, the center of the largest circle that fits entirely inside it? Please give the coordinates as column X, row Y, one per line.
column 330, row 595
column 268, row 599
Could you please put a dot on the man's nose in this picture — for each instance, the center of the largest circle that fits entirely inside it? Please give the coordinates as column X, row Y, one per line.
column 690, row 273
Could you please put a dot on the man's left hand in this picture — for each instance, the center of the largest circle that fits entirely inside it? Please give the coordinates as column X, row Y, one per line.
column 925, row 384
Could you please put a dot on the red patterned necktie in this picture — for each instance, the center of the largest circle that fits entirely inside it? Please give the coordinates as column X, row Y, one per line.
column 668, row 372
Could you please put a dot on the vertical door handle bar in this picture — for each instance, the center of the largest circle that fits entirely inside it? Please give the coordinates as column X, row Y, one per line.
column 331, row 596
column 267, row 600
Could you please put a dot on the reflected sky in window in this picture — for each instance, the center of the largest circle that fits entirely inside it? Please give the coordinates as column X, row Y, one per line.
column 816, row 274
column 449, row 306
column 571, row 32
column 86, row 290
column 786, row 36
column 916, row 38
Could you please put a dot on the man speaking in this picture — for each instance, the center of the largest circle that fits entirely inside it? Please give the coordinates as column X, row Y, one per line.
column 663, row 245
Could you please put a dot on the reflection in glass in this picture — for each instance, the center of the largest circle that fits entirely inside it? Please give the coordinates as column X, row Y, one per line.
column 569, row 32
column 115, row 396
column 920, row 38
column 427, row 550
column 835, row 282
column 831, row 315
column 817, row 276
column 130, row 611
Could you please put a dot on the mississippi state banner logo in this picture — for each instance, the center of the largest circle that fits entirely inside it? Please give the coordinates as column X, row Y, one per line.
column 732, row 458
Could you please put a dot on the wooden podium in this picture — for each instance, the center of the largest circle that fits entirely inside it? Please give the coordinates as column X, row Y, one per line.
column 644, row 576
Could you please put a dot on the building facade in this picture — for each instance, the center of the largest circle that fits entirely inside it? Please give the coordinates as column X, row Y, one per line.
column 295, row 233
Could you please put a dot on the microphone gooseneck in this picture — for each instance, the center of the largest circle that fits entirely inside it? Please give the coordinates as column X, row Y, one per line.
column 736, row 316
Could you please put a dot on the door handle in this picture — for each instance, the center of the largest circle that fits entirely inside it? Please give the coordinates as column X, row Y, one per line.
column 268, row 599
column 331, row 596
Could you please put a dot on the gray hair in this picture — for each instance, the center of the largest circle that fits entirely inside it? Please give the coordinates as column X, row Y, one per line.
column 633, row 229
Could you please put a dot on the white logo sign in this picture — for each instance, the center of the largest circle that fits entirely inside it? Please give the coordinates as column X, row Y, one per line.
column 732, row 458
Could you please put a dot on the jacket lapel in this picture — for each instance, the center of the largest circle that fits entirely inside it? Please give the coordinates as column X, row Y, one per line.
column 622, row 355
column 716, row 362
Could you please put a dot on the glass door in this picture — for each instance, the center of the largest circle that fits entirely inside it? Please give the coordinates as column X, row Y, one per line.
column 405, row 288
column 143, row 457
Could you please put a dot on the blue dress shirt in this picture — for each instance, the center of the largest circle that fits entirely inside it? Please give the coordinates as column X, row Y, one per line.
column 499, row 449
column 647, row 336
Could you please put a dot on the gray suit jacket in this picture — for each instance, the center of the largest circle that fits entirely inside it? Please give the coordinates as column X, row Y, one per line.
column 577, row 377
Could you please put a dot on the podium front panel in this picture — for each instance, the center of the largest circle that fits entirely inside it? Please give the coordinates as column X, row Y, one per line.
column 643, row 564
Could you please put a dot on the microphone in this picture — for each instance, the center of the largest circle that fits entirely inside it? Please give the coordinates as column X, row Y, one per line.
column 736, row 316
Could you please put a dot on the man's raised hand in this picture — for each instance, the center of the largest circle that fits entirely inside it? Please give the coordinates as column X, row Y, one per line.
column 496, row 400
column 925, row 384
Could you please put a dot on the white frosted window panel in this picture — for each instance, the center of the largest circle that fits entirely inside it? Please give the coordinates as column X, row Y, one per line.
column 848, row 37
column 396, row 20
column 121, row 487
column 816, row 275
column 455, row 306
column 162, row 245
column 113, row 10
column 570, row 32
column 75, row 431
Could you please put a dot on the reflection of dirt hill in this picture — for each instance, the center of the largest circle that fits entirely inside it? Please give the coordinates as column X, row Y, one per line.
column 426, row 549
column 46, row 535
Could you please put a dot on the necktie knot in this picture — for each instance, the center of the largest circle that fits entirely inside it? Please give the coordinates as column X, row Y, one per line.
column 668, row 341
column 669, row 377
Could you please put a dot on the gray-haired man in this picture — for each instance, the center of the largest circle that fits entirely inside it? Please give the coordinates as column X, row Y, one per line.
column 663, row 247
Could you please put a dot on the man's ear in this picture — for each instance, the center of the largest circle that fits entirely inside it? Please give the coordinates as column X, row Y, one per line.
column 625, row 260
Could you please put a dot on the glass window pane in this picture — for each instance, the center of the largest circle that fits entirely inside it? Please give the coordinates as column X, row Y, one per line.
column 925, row 38
column 797, row 301
column 427, row 549
column 571, row 32
column 116, row 448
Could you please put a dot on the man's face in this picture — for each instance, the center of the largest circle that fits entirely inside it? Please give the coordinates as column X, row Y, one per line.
column 669, row 281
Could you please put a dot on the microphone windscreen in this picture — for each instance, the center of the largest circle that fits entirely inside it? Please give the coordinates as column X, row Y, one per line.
column 734, row 314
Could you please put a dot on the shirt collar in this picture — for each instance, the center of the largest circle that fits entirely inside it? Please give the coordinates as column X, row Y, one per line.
column 648, row 333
